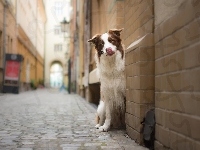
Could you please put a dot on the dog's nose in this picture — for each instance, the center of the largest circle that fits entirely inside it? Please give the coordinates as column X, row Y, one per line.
column 109, row 49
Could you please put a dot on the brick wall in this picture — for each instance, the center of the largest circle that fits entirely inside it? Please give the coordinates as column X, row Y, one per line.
column 139, row 40
column 177, row 74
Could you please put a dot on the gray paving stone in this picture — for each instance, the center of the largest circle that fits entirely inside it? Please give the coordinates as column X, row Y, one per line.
column 42, row 120
column 48, row 137
column 28, row 137
column 24, row 149
column 70, row 148
column 93, row 144
column 27, row 143
column 71, row 145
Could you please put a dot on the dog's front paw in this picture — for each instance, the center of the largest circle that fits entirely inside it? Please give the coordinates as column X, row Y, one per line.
column 97, row 126
column 103, row 128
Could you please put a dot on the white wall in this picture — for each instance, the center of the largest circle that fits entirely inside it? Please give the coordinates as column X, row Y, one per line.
column 54, row 18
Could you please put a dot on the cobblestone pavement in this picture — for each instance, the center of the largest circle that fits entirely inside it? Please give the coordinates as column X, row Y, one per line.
column 52, row 120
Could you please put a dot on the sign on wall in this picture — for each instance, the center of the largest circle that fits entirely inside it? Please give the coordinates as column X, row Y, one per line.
column 12, row 73
column 12, row 70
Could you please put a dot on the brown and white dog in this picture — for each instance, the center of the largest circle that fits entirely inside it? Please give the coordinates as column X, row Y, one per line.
column 110, row 65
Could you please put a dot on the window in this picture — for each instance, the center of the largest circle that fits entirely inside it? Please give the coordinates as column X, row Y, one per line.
column 58, row 7
column 57, row 30
column 57, row 47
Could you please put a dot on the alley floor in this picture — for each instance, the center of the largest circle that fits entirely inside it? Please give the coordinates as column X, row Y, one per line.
column 52, row 120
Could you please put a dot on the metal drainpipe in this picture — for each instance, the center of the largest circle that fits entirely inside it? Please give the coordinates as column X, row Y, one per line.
column 4, row 39
column 36, row 42
column 69, row 75
column 44, row 61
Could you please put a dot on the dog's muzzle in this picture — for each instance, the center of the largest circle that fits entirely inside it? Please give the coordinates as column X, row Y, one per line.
column 109, row 51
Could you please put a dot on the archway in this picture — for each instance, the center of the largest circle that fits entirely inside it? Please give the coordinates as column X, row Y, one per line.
column 56, row 75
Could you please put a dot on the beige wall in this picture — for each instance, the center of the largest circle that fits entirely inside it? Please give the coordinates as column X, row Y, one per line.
column 139, row 64
column 177, row 75
column 26, row 18
column 166, row 9
column 81, row 47
column 10, row 31
column 30, row 19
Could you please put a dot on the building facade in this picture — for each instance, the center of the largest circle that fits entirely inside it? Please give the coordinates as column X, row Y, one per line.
column 161, row 41
column 23, row 27
column 30, row 27
column 7, row 33
column 56, row 44
column 79, row 47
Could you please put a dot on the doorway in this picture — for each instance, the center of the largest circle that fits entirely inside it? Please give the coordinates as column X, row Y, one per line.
column 56, row 75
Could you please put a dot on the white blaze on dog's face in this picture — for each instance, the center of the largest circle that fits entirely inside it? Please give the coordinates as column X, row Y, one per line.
column 108, row 43
column 109, row 48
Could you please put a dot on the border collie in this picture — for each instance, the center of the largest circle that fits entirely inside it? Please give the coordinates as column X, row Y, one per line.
column 111, row 71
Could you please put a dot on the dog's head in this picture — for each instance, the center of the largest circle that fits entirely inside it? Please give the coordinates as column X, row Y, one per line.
column 108, row 43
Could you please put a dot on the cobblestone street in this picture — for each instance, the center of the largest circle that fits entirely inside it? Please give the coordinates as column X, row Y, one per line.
column 52, row 120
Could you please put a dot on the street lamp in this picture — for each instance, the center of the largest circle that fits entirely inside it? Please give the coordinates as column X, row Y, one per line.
column 64, row 25
column 64, row 28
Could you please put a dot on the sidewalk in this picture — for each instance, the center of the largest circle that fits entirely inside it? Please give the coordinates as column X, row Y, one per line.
column 53, row 120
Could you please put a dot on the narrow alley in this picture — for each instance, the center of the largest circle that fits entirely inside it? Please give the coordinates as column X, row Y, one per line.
column 51, row 120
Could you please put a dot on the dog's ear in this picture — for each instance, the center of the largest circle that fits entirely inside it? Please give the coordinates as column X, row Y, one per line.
column 94, row 39
column 115, row 31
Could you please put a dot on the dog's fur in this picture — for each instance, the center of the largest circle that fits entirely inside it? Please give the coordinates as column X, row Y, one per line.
column 100, row 114
column 110, row 65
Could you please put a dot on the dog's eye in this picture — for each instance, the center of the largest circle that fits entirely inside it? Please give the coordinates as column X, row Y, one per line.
column 100, row 44
column 111, row 40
